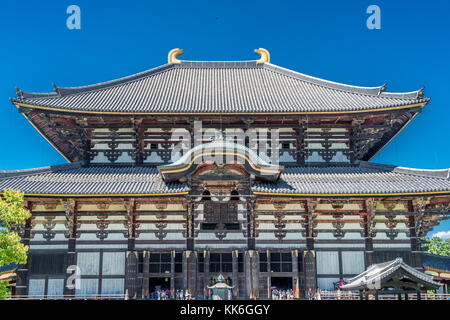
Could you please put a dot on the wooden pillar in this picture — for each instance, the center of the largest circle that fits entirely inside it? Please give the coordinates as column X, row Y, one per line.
column 300, row 143
column 22, row 270
column 295, row 274
column 190, row 227
column 131, row 271
column 416, row 257
column 368, row 218
column 309, row 258
column 130, row 207
column 309, row 262
column 269, row 277
column 72, row 223
column 310, row 207
column 414, row 224
column 206, row 272
column 139, row 143
column 172, row 272
column 251, row 226
column 145, row 273
column 190, row 271
column 368, row 253
column 251, row 261
column 235, row 277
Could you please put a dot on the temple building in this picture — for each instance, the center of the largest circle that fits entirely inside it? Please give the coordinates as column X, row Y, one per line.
column 161, row 193
column 439, row 268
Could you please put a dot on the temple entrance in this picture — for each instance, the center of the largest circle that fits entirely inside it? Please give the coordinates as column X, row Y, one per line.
column 158, row 284
column 281, row 283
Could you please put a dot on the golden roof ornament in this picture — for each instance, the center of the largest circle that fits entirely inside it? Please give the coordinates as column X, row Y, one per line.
column 173, row 54
column 265, row 55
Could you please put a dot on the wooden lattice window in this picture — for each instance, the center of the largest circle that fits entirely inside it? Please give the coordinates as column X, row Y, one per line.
column 219, row 216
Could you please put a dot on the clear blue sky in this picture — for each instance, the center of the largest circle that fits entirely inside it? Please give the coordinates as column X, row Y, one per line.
column 327, row 39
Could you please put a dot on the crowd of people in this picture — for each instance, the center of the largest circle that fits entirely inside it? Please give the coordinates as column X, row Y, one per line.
column 168, row 294
column 331, row 295
column 283, row 294
column 280, row 294
column 276, row 294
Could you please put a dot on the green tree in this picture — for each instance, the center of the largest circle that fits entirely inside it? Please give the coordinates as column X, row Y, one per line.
column 438, row 246
column 12, row 213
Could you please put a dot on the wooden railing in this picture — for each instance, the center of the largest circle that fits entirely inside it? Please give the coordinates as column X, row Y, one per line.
column 355, row 296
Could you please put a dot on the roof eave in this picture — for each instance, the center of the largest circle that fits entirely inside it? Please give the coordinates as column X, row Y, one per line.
column 24, row 104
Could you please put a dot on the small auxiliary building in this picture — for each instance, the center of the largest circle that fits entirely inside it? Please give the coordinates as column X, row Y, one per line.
column 135, row 218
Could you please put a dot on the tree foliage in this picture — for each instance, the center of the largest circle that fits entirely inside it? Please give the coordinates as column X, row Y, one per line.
column 12, row 214
column 438, row 246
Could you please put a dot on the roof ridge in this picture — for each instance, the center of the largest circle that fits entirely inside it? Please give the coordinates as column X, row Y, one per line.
column 433, row 173
column 5, row 174
column 220, row 64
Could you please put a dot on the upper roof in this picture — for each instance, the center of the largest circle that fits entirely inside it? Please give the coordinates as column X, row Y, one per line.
column 196, row 87
column 364, row 179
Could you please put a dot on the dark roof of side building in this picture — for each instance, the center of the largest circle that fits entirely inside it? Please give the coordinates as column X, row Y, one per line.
column 362, row 179
column 8, row 267
column 195, row 87
column 435, row 261
column 7, row 271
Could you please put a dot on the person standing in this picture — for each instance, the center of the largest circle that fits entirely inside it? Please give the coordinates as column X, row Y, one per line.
column 318, row 296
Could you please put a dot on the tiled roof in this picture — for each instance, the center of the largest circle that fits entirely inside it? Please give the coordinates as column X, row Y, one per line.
column 378, row 273
column 74, row 179
column 8, row 267
column 435, row 261
column 253, row 163
column 7, row 271
column 365, row 178
column 219, row 87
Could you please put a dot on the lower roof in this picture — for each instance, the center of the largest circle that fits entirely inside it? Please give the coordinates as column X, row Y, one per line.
column 363, row 179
